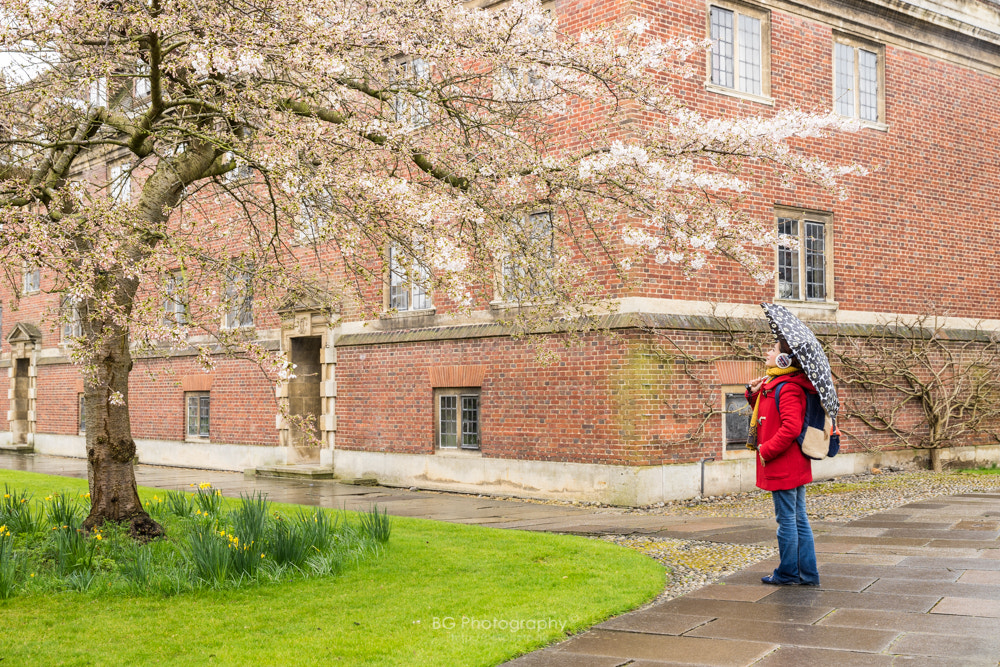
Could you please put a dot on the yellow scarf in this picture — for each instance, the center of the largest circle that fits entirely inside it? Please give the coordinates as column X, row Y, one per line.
column 771, row 373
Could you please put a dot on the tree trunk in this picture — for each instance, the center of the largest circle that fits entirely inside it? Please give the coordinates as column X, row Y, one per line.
column 110, row 447
column 936, row 464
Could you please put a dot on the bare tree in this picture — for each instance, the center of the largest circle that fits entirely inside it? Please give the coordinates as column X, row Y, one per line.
column 925, row 386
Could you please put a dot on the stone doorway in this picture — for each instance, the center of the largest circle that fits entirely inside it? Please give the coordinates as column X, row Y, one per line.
column 305, row 400
column 24, row 340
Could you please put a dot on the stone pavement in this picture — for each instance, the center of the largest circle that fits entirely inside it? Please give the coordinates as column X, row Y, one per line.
column 918, row 585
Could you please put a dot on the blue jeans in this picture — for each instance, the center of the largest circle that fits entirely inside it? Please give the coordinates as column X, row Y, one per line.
column 795, row 538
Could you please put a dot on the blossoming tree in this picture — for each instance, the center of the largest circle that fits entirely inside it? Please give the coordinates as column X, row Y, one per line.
column 291, row 144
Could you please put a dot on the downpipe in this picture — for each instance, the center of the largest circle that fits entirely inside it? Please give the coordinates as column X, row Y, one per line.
column 703, row 462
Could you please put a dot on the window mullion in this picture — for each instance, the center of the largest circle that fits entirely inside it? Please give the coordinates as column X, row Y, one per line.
column 803, row 276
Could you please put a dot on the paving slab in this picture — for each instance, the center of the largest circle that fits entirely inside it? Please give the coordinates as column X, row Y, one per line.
column 794, row 656
column 844, row 600
column 905, row 622
column 951, row 563
column 982, row 647
column 988, row 577
column 968, row 607
column 797, row 634
column 552, row 658
column 734, row 592
column 858, row 558
column 939, row 588
column 891, row 572
column 777, row 613
column 654, row 622
column 828, row 582
column 693, row 650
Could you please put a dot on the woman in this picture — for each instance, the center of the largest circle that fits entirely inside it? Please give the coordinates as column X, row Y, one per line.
column 782, row 469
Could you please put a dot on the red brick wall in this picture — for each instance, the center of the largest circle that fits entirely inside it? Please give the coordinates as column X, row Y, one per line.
column 242, row 409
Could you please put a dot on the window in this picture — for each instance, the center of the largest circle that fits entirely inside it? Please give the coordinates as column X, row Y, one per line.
column 141, row 85
column 857, row 80
column 804, row 254
column 741, row 46
column 239, row 300
column 737, row 420
column 527, row 268
column 408, row 281
column 99, row 92
column 241, row 171
column 198, row 408
column 71, row 324
column 174, row 301
column 32, row 280
column 411, row 109
column 458, row 418
column 311, row 220
column 120, row 182
column 82, row 412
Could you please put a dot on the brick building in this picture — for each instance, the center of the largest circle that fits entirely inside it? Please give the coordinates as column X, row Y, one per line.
column 428, row 398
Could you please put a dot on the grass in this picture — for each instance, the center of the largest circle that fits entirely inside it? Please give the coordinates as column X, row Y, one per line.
column 991, row 470
column 440, row 594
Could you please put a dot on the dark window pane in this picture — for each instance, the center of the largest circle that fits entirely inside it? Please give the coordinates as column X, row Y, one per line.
column 470, row 422
column 843, row 87
column 788, row 261
column 867, row 85
column 722, row 47
column 737, row 421
column 192, row 415
column 203, row 416
column 448, row 421
column 815, row 261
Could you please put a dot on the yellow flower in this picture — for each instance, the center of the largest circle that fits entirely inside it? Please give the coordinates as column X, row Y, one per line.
column 98, row 537
column 86, row 495
column 205, row 485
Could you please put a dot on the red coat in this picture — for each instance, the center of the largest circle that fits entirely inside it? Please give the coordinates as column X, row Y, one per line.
column 784, row 467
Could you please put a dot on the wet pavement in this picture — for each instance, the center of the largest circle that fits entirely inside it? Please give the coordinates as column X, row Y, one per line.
column 918, row 584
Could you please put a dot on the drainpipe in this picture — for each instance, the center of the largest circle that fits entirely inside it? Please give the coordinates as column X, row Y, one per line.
column 703, row 461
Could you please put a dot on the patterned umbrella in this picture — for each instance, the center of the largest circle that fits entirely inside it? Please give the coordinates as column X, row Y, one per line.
column 809, row 352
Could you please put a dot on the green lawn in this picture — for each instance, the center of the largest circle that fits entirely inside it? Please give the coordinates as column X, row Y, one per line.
column 443, row 594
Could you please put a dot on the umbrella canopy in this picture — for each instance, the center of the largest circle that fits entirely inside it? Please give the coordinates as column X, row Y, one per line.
column 809, row 352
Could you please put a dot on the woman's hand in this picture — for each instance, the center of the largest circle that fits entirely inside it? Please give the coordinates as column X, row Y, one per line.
column 756, row 384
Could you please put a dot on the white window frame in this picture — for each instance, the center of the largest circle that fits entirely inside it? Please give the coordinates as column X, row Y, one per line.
column 532, row 240
column 120, row 182
column 81, row 412
column 99, row 92
column 851, row 108
column 32, row 280
column 141, row 86
column 72, row 325
column 467, row 435
column 202, row 402
column 406, row 292
column 412, row 110
column 175, row 308
column 740, row 86
column 239, row 300
column 241, row 171
column 794, row 259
